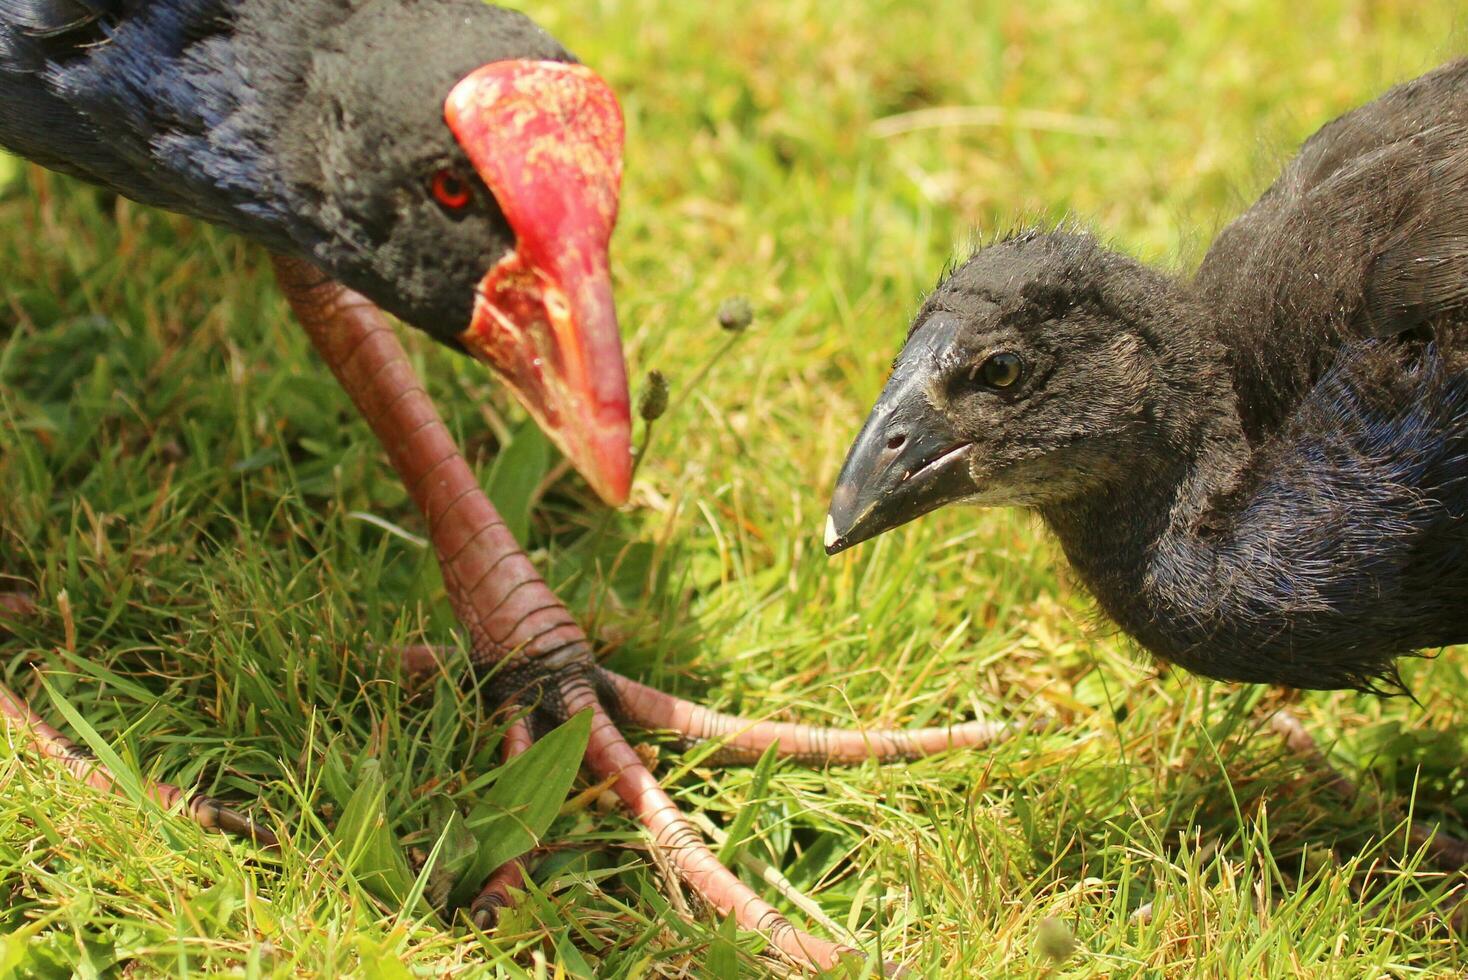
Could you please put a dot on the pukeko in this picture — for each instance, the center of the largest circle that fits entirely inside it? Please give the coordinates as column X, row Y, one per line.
column 1260, row 473
column 447, row 162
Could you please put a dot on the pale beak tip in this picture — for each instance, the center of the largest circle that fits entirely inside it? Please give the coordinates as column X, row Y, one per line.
column 611, row 470
column 831, row 536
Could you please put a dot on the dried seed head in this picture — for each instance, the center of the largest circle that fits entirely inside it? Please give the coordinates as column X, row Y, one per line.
column 647, row 753
column 654, row 400
column 735, row 314
column 1053, row 939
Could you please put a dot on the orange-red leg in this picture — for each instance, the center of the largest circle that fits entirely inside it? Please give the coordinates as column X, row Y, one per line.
column 46, row 741
column 744, row 740
column 513, row 619
column 1446, row 852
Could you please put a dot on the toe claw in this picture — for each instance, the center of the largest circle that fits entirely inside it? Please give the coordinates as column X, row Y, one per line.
column 213, row 815
column 485, row 915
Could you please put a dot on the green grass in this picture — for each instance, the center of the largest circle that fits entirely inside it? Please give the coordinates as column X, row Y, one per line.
column 180, row 479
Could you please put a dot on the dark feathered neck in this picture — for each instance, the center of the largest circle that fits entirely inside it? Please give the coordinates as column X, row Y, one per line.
column 1313, row 559
column 1192, row 449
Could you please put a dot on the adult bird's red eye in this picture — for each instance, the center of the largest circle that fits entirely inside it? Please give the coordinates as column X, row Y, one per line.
column 451, row 190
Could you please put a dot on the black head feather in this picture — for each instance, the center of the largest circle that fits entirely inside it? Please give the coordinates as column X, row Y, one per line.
column 314, row 128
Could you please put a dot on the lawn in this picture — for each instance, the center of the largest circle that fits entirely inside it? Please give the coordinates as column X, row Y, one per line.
column 224, row 562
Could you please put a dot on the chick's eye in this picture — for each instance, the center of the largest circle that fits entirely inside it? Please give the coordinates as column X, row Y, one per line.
column 1002, row 370
column 451, row 190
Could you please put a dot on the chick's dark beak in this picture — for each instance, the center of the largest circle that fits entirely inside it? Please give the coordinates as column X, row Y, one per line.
column 546, row 138
column 907, row 460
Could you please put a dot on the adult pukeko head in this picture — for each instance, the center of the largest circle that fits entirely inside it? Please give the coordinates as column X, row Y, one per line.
column 445, row 158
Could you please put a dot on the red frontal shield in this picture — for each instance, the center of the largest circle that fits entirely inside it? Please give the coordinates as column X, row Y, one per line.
column 546, row 139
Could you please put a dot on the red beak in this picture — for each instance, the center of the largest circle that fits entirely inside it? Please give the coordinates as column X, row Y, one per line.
column 546, row 139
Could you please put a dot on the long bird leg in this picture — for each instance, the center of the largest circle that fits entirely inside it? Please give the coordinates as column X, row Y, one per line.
column 744, row 740
column 47, row 742
column 15, row 605
column 1446, row 852
column 516, row 625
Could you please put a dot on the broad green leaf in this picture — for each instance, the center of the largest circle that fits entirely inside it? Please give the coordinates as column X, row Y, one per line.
column 515, row 475
column 380, row 962
column 459, row 849
column 521, row 804
column 213, row 908
column 15, row 950
column 744, row 820
column 420, row 884
column 369, row 849
column 723, row 956
column 570, row 957
column 51, row 954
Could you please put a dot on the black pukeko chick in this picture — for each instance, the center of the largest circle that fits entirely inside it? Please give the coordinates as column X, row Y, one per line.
column 1261, row 473
column 448, row 162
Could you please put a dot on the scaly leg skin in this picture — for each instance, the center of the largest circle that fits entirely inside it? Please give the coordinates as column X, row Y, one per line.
column 47, row 742
column 15, row 605
column 524, row 635
column 743, row 740
column 1446, row 852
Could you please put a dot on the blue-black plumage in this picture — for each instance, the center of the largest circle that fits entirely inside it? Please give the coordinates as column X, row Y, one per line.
column 319, row 129
column 44, row 18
